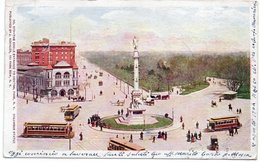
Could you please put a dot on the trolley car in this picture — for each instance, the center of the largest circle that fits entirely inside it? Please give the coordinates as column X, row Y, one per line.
column 72, row 112
column 62, row 130
column 121, row 144
column 215, row 124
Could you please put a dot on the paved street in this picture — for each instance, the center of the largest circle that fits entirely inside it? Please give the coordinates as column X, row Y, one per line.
column 195, row 107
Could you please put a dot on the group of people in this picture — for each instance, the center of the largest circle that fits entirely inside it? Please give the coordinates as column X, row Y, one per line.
column 192, row 137
column 120, row 112
column 232, row 131
column 95, row 121
column 162, row 135
column 239, row 111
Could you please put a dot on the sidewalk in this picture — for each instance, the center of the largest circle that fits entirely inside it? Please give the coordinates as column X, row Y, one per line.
column 147, row 132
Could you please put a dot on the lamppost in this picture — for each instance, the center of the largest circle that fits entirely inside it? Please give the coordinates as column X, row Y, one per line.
column 172, row 114
column 85, row 92
column 144, row 121
column 69, row 137
column 33, row 84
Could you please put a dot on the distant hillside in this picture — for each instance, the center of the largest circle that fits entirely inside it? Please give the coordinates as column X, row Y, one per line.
column 158, row 70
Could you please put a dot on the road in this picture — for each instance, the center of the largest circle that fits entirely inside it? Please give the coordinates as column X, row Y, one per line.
column 195, row 107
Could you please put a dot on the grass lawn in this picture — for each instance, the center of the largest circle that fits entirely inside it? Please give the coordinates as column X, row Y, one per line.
column 194, row 87
column 162, row 122
column 244, row 92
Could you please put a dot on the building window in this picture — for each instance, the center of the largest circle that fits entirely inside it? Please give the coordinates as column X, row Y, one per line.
column 58, row 75
column 66, row 75
column 66, row 82
column 58, row 83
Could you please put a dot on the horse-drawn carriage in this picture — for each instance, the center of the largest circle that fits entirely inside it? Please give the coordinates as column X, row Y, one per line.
column 90, row 76
column 213, row 103
column 118, row 103
column 160, row 97
column 77, row 98
column 213, row 143
column 149, row 102
column 100, row 83
column 165, row 97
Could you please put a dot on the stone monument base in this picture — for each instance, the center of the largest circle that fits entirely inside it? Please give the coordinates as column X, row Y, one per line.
column 136, row 120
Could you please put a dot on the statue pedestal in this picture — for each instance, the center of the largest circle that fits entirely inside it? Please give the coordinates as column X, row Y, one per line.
column 135, row 116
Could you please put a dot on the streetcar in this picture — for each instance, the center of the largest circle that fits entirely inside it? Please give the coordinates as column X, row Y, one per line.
column 61, row 130
column 222, row 123
column 72, row 112
column 121, row 144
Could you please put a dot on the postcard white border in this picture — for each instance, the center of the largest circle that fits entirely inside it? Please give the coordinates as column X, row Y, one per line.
column 10, row 122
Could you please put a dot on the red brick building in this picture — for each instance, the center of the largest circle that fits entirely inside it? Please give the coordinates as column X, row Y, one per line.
column 24, row 57
column 44, row 52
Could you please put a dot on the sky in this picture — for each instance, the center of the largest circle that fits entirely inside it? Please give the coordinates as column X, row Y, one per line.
column 210, row 28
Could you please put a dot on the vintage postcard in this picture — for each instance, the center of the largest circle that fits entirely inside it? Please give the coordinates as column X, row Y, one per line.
column 131, row 79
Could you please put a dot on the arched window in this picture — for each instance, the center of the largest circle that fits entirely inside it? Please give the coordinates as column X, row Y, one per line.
column 66, row 75
column 70, row 92
column 58, row 75
column 54, row 93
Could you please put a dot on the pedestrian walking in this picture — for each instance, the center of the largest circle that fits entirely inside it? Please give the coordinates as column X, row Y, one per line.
column 141, row 136
column 196, row 135
column 159, row 134
column 80, row 136
column 114, row 93
column 236, row 132
column 229, row 130
column 181, row 119
column 229, row 107
column 192, row 138
column 131, row 138
column 122, row 111
column 188, row 137
column 199, row 135
column 101, row 126
column 240, row 111
column 197, row 125
column 118, row 112
column 183, row 125
column 237, row 111
column 165, row 136
column 125, row 96
column 117, row 136
column 153, row 139
column 27, row 101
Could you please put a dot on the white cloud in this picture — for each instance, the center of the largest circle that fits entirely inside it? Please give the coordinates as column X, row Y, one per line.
column 195, row 28
column 50, row 11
